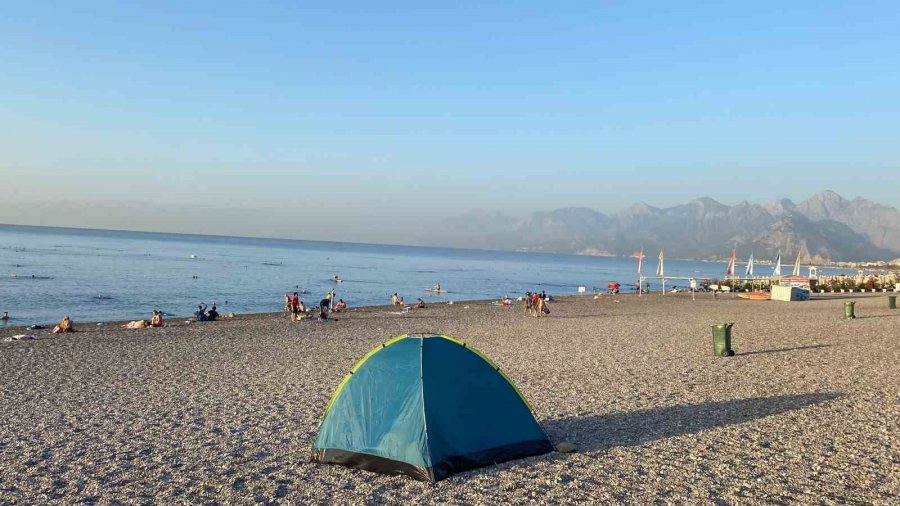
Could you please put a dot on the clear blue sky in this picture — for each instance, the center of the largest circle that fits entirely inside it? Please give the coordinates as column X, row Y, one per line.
column 251, row 117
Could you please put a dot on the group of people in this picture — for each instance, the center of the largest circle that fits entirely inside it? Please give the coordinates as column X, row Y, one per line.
column 204, row 315
column 536, row 304
column 396, row 300
column 155, row 321
column 298, row 310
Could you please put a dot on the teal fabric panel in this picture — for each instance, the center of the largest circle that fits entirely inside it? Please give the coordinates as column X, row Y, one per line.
column 380, row 410
column 469, row 406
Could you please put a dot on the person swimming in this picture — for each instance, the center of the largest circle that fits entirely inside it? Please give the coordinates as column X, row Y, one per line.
column 5, row 316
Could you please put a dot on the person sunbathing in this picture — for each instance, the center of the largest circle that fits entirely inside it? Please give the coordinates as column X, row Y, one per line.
column 298, row 312
column 65, row 325
column 156, row 320
column 420, row 304
column 339, row 306
column 137, row 324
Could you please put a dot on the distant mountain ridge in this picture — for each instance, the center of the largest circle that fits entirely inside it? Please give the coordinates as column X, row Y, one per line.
column 825, row 227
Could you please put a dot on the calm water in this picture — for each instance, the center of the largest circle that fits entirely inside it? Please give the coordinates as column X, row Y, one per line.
column 104, row 275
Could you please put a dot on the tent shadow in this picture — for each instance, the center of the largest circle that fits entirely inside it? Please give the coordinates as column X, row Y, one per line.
column 633, row 428
column 782, row 350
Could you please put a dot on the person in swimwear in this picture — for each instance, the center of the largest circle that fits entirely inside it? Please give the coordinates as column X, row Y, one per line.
column 65, row 325
column 156, row 319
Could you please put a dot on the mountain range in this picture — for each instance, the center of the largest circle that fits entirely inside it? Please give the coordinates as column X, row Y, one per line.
column 825, row 227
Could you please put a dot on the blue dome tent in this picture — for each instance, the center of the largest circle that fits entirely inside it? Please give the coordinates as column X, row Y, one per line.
column 427, row 406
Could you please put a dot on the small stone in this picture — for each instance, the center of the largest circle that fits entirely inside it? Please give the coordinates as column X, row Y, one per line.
column 566, row 448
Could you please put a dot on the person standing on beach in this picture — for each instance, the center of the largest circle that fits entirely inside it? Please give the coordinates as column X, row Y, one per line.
column 538, row 306
column 323, row 308
column 527, row 302
column 287, row 302
column 294, row 305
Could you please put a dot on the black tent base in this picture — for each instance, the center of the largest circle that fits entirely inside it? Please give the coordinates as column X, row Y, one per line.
column 371, row 463
column 440, row 470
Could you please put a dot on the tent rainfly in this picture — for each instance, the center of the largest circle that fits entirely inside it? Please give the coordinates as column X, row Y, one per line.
column 427, row 406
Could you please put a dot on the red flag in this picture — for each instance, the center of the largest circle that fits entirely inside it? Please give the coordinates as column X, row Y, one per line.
column 731, row 261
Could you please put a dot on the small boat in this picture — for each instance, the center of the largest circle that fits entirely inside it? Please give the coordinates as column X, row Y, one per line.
column 434, row 290
column 755, row 295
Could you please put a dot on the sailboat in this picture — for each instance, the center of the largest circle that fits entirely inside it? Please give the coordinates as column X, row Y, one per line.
column 796, row 271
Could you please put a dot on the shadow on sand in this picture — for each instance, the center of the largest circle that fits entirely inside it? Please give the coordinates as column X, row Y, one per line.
column 782, row 350
column 598, row 432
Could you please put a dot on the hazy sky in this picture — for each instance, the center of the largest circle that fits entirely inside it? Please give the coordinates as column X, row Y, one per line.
column 367, row 120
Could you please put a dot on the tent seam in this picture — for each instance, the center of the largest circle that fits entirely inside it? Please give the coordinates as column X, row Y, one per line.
column 430, row 464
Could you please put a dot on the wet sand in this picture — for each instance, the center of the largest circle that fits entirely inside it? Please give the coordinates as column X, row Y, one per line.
column 225, row 412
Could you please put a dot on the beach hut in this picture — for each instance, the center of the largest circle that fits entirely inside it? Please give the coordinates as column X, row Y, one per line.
column 427, row 406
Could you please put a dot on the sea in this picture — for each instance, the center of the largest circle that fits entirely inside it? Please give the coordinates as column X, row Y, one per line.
column 104, row 275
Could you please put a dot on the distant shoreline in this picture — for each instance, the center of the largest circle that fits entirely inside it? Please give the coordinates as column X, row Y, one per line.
column 182, row 320
column 237, row 239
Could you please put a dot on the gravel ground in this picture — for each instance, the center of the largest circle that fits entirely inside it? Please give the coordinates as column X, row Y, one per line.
column 225, row 412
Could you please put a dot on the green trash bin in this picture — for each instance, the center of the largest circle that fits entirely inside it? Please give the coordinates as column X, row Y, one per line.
column 892, row 302
column 848, row 310
column 722, row 340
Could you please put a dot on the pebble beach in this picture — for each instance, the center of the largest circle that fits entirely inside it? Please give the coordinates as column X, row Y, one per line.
column 808, row 411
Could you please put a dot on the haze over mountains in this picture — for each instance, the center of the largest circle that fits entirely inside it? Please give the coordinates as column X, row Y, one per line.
column 825, row 227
